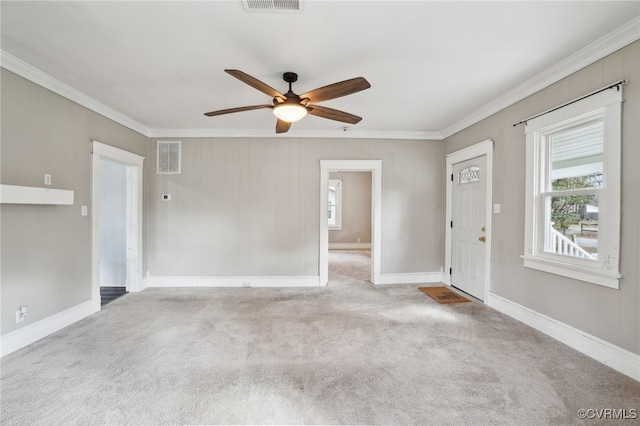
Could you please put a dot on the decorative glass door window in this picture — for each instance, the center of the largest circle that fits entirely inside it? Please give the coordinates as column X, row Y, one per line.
column 470, row 174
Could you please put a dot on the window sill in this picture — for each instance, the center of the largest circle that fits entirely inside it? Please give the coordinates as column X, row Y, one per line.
column 335, row 228
column 590, row 275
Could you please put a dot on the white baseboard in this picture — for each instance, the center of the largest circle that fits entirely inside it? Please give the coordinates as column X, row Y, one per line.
column 615, row 357
column 142, row 284
column 409, row 278
column 215, row 281
column 349, row 246
column 28, row 334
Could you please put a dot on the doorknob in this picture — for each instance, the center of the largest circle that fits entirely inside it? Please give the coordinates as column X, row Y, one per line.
column 483, row 239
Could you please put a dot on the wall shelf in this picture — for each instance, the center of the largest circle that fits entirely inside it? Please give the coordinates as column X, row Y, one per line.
column 14, row 194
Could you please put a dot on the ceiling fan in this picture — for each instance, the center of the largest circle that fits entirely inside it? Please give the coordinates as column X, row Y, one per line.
column 291, row 107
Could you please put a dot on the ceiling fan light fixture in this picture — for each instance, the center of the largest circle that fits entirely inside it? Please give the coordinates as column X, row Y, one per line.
column 289, row 112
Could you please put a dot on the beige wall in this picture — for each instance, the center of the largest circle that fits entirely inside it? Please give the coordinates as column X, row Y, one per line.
column 46, row 250
column 356, row 208
column 612, row 315
column 251, row 207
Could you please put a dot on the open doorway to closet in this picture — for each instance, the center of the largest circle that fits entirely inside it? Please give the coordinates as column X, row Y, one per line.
column 116, row 220
column 113, row 230
column 349, row 220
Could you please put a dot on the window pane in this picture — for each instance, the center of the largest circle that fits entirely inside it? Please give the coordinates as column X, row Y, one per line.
column 577, row 182
column 576, row 157
column 470, row 174
column 332, row 214
column 334, row 208
column 572, row 225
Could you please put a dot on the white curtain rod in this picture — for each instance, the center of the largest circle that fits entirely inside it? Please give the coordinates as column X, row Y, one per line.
column 611, row 86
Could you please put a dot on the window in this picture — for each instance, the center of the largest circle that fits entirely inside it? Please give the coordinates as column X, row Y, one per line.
column 468, row 175
column 334, row 213
column 573, row 190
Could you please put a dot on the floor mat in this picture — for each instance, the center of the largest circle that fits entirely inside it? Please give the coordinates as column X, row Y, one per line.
column 444, row 295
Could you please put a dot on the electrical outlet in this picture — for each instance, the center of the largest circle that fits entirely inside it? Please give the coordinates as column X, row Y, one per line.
column 246, row 284
column 84, row 210
column 358, row 240
column 47, row 179
column 166, row 197
column 21, row 313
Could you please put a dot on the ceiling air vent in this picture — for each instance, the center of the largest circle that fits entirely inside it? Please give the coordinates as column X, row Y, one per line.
column 169, row 157
column 273, row 6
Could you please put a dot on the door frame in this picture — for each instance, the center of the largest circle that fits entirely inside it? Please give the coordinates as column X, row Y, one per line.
column 484, row 148
column 134, row 164
column 375, row 167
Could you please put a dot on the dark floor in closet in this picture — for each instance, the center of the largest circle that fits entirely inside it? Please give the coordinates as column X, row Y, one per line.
column 109, row 294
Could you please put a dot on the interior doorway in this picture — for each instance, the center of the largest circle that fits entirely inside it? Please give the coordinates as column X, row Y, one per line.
column 374, row 167
column 116, row 220
column 349, row 219
column 113, row 230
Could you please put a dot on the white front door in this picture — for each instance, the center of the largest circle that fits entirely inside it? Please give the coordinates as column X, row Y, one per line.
column 468, row 233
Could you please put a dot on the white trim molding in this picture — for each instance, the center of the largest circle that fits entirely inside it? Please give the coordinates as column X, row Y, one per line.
column 606, row 45
column 614, row 356
column 410, row 278
column 31, row 333
column 33, row 74
column 325, row 134
column 144, row 283
column 484, row 148
column 349, row 246
column 218, row 281
column 116, row 154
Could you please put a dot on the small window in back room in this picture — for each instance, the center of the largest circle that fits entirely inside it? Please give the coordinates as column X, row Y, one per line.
column 169, row 157
column 334, row 213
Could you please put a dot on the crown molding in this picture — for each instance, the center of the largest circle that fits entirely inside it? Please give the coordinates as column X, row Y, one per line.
column 606, row 45
column 33, row 74
column 325, row 134
column 615, row 40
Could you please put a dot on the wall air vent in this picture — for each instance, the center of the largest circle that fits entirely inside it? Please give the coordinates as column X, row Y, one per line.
column 169, row 157
column 273, row 6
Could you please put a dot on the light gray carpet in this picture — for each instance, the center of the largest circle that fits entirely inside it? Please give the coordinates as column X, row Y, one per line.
column 350, row 353
column 349, row 264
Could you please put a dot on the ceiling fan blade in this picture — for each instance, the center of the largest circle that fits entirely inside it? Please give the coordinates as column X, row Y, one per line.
column 282, row 126
column 333, row 114
column 255, row 83
column 232, row 110
column 337, row 90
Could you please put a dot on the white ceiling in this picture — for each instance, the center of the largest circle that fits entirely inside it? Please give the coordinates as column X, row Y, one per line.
column 431, row 64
